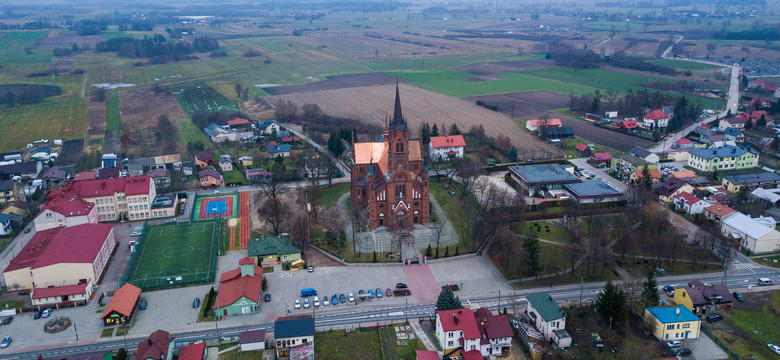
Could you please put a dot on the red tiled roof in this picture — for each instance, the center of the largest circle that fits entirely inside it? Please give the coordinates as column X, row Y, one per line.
column 656, row 115
column 770, row 87
column 547, row 122
column 602, row 156
column 687, row 197
column 493, row 326
column 209, row 172
column 136, row 185
column 40, row 293
column 439, row 142
column 246, row 261
column 155, row 347
column 123, row 300
column 69, row 206
column 192, row 352
column 654, row 173
column 683, row 141
column 472, row 355
column 685, row 174
column 426, row 355
column 233, row 286
column 628, row 124
column 75, row 244
column 238, row 121
column 85, row 175
column 466, row 322
column 720, row 210
column 581, row 147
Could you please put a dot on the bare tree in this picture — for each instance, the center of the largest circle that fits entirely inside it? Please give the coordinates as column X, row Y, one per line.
column 273, row 208
column 286, row 110
column 438, row 230
column 467, row 171
column 332, row 222
column 311, row 111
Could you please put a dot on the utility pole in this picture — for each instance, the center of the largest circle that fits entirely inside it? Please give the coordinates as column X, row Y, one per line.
column 77, row 331
column 499, row 301
column 582, row 286
column 216, row 318
column 406, row 310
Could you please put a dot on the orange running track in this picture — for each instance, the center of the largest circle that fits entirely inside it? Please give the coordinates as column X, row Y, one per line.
column 232, row 237
column 243, row 211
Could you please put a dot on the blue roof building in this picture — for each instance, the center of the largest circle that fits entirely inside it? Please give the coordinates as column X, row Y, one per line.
column 592, row 191
column 673, row 323
column 546, row 180
column 278, row 150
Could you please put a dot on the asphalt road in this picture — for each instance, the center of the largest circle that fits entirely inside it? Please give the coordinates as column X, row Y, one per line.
column 739, row 280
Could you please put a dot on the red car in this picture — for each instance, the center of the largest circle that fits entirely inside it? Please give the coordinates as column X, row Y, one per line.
column 267, row 298
column 388, row 292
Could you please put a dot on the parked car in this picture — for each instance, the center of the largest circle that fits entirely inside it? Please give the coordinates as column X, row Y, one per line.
column 8, row 320
column 342, row 298
column 388, row 292
column 27, row 231
column 673, row 343
column 306, row 303
column 325, row 301
column 170, row 221
column 46, row 313
column 401, row 286
column 37, row 315
column 297, row 304
column 6, row 341
column 141, row 304
column 267, row 298
column 135, row 233
column 378, row 292
column 316, row 302
column 765, row 281
column 668, row 288
column 311, row 268
column 738, row 296
column 371, row 293
column 351, row 297
column 361, row 293
column 713, row 318
column 334, row 300
column 196, row 302
column 684, row 351
column 774, row 348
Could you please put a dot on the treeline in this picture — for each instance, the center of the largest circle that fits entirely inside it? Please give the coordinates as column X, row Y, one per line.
column 89, row 27
column 157, row 48
column 33, row 25
column 317, row 123
column 620, row 59
column 15, row 94
column 770, row 33
column 201, row 120
column 570, row 56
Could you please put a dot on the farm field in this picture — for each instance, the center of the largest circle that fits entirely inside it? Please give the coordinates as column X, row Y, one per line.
column 197, row 97
column 140, row 111
column 684, row 65
column 16, row 61
column 188, row 132
column 370, row 103
column 337, row 82
column 60, row 120
column 113, row 120
column 500, row 67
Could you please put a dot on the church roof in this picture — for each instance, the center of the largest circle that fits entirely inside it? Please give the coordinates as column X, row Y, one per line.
column 398, row 122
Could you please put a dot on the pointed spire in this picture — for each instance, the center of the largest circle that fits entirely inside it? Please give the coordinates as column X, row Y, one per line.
column 371, row 167
column 398, row 117
column 425, row 164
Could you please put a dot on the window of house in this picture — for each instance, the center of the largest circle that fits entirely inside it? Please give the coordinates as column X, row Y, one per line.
column 670, row 327
column 687, row 326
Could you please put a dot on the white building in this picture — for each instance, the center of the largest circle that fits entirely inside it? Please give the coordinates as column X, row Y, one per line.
column 691, row 204
column 548, row 318
column 751, row 234
column 457, row 331
column 60, row 211
column 655, row 119
column 446, row 147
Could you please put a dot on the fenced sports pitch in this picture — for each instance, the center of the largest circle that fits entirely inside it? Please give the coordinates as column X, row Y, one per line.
column 225, row 206
column 174, row 255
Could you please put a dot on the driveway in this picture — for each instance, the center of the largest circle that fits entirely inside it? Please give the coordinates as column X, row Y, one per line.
column 600, row 173
column 705, row 348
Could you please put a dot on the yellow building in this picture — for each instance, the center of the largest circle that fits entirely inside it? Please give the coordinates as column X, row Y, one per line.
column 673, row 323
column 131, row 198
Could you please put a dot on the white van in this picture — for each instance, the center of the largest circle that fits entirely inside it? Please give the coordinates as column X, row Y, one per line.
column 764, row 281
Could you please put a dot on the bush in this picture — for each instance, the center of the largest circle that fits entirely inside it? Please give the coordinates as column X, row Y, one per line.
column 264, row 286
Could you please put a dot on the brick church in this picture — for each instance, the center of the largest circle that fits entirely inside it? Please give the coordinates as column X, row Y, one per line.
column 390, row 177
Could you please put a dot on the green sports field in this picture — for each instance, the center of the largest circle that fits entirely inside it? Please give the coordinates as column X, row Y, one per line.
column 174, row 255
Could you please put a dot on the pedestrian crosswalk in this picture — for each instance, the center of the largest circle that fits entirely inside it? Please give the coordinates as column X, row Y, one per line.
column 743, row 266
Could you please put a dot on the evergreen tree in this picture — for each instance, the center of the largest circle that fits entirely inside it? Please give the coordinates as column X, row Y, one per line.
column 447, row 300
column 121, row 354
column 513, row 154
column 646, row 179
column 749, row 124
column 374, row 260
column 238, row 89
column 650, row 290
column 776, row 143
column 446, row 252
column 437, row 253
column 611, row 304
column 532, row 252
column 454, row 130
column 443, row 130
column 435, row 130
column 761, row 121
column 594, row 106
column 426, row 133
column 429, row 251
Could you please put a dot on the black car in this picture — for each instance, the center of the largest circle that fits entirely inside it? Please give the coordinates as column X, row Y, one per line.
column 342, row 298
column 267, row 298
column 8, row 320
column 37, row 315
column 196, row 303
column 142, row 304
column 401, row 286
column 713, row 318
column 738, row 296
column 684, row 351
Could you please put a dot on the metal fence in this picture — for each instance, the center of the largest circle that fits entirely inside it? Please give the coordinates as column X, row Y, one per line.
column 133, row 256
column 720, row 343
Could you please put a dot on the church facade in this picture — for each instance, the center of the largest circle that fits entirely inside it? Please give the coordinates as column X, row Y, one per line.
column 389, row 178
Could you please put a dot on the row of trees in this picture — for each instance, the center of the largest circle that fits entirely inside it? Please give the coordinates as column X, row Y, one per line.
column 26, row 94
column 620, row 59
column 570, row 56
column 157, row 47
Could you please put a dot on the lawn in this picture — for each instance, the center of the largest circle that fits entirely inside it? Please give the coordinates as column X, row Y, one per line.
column 570, row 151
column 235, row 176
column 107, row 332
column 113, row 119
column 773, row 261
column 361, row 344
column 15, row 58
column 61, row 120
column 247, row 355
column 188, row 132
column 544, row 230
column 757, row 321
column 17, row 304
column 459, row 213
column 198, row 97
column 684, row 65
column 329, row 196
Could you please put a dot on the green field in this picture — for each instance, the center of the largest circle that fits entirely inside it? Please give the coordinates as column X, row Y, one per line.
column 197, row 97
column 760, row 325
column 684, row 65
column 235, row 176
column 175, row 255
column 15, row 59
column 60, row 120
column 113, row 120
column 188, row 132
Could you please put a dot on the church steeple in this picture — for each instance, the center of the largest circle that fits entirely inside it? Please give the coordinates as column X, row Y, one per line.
column 398, row 117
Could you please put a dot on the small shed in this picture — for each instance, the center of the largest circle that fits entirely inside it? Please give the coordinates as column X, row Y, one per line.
column 252, row 340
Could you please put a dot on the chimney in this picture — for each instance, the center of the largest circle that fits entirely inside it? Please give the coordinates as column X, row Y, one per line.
column 149, row 341
column 455, row 317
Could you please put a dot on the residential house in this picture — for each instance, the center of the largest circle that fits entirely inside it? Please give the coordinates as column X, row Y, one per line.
column 257, row 175
column 703, row 131
column 268, row 127
column 18, row 210
column 639, row 174
column 129, row 198
column 582, row 149
column 204, row 159
column 269, row 249
column 748, row 182
column 315, row 167
column 85, row 175
column 538, row 124
column 751, row 234
column 225, row 163
column 292, row 332
column 758, row 102
column 144, row 165
column 63, row 211
column 558, row 132
column 673, row 323
column 54, row 176
column 548, row 318
column 771, row 196
column 59, row 258
column 590, row 191
column 29, row 170
column 239, row 290
column 546, row 180
column 157, row 347
column 219, row 134
column 292, row 140
column 282, row 134
column 426, row 355
column 689, row 203
column 732, row 122
column 282, row 150
column 8, row 191
column 109, row 173
column 683, row 144
column 447, row 147
column 162, row 180
column 735, row 135
column 655, row 119
column 755, row 84
column 209, row 178
column 754, row 116
column 723, row 158
column 496, row 333
column 250, row 340
column 597, row 159
column 457, row 332
column 718, row 212
column 684, row 174
column 645, row 154
column 196, row 351
column 627, row 125
column 625, row 164
column 672, row 187
column 5, row 224
column 701, row 298
column 121, row 307
column 246, row 161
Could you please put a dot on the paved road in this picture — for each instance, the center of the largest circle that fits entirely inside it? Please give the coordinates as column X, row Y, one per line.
column 732, row 100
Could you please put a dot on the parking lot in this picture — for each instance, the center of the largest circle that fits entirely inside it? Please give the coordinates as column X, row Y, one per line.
column 599, row 173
